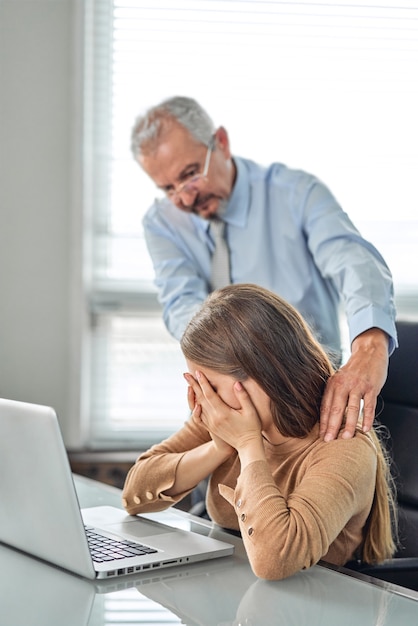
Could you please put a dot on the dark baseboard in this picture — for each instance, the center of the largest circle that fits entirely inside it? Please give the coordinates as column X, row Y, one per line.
column 109, row 467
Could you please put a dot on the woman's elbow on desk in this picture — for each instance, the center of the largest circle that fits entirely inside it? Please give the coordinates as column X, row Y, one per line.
column 277, row 570
column 270, row 564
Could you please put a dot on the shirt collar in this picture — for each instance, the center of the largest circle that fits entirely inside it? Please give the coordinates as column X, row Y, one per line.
column 236, row 212
column 239, row 201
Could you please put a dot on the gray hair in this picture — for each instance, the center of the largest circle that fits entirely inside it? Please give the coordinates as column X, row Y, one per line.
column 149, row 127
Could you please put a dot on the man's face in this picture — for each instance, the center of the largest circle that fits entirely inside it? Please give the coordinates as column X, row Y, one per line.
column 178, row 158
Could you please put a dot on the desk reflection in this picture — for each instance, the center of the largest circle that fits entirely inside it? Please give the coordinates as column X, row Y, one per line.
column 316, row 597
column 223, row 592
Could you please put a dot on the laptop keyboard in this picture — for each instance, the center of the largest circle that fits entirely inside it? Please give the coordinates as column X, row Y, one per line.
column 105, row 549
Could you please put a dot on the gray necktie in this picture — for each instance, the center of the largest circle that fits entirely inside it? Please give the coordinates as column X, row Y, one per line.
column 220, row 259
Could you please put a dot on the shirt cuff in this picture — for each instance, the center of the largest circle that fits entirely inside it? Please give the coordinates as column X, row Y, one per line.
column 372, row 317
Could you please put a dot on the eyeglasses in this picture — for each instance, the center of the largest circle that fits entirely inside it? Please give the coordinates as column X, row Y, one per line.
column 191, row 183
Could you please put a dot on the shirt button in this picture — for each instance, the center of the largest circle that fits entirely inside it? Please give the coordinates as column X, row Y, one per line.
column 149, row 495
column 243, row 517
column 137, row 500
column 239, row 503
column 250, row 531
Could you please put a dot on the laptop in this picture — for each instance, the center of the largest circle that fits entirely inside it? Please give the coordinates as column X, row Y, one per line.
column 40, row 513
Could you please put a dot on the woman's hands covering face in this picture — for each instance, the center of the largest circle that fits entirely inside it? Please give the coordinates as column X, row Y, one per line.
column 229, row 426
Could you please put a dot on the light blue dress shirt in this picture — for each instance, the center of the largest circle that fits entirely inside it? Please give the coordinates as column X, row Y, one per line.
column 285, row 232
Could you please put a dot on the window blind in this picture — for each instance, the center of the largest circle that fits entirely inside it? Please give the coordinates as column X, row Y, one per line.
column 327, row 87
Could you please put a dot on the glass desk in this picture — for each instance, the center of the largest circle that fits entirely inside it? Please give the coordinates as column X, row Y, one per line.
column 222, row 592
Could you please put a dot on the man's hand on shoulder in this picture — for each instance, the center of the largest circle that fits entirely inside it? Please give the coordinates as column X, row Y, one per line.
column 361, row 378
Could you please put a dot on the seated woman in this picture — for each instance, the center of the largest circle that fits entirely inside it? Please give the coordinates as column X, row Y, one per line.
column 256, row 378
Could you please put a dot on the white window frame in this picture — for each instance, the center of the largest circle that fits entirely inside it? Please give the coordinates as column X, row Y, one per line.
column 134, row 295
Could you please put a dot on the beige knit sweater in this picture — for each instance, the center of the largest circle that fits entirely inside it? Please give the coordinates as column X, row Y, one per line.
column 308, row 501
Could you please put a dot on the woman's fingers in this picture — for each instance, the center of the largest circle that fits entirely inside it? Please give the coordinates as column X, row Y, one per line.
column 205, row 386
column 191, row 398
column 243, row 398
column 192, row 390
column 197, row 414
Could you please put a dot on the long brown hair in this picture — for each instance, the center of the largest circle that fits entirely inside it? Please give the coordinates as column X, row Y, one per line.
column 246, row 331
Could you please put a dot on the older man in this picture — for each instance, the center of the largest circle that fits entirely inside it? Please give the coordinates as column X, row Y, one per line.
column 281, row 229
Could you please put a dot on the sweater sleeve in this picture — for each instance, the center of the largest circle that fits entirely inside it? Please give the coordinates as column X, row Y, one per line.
column 155, row 471
column 283, row 535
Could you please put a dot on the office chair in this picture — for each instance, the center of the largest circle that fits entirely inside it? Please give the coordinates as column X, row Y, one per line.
column 400, row 415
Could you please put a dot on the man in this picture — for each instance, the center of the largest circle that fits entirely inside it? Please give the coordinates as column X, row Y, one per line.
column 284, row 231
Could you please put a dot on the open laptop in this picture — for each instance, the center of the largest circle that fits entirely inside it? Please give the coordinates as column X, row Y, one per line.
column 40, row 513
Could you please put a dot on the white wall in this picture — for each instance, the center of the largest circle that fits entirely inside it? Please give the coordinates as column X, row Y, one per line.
column 38, row 262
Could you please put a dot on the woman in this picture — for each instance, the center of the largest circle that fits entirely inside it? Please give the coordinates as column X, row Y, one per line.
column 256, row 378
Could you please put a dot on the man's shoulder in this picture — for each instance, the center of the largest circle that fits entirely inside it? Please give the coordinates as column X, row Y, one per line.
column 275, row 172
column 161, row 210
column 162, row 215
column 159, row 206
